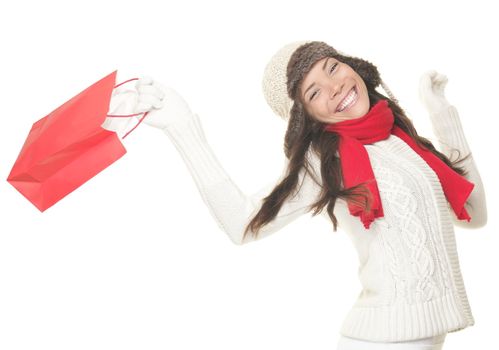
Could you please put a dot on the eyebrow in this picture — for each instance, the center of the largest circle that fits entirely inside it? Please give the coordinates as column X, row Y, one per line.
column 312, row 85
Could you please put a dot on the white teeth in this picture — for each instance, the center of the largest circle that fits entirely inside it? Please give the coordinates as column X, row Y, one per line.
column 352, row 95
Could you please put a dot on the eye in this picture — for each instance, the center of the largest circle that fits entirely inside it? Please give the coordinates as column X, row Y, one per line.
column 333, row 67
column 312, row 96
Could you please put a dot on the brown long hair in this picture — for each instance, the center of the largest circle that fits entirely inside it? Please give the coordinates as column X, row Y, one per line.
column 311, row 133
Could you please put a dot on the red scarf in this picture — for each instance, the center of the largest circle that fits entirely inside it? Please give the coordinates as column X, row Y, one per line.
column 377, row 125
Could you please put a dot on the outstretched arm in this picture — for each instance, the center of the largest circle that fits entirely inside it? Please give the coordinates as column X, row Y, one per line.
column 231, row 208
column 450, row 135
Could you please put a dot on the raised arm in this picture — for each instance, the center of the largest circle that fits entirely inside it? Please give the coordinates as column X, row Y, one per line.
column 231, row 208
column 450, row 135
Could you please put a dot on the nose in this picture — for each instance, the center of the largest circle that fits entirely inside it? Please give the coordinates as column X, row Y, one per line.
column 334, row 89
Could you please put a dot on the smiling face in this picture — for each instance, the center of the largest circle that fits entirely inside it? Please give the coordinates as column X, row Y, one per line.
column 332, row 92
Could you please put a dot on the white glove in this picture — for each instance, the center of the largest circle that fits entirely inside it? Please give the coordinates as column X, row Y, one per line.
column 165, row 106
column 431, row 91
column 123, row 102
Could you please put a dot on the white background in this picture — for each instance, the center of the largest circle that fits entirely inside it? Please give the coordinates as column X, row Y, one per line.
column 133, row 259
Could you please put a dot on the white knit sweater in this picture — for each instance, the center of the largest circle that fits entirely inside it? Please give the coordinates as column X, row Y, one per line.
column 409, row 268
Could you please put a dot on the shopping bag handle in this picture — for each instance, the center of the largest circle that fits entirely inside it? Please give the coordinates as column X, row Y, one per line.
column 129, row 115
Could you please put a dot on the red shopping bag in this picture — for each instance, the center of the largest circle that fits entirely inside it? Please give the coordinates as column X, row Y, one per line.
column 67, row 147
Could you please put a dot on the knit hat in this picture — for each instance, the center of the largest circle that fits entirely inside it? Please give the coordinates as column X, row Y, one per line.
column 289, row 65
column 282, row 76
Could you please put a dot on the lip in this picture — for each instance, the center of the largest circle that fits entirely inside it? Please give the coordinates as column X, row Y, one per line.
column 353, row 102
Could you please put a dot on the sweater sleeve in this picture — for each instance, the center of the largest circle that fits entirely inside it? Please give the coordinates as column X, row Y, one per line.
column 450, row 136
column 230, row 207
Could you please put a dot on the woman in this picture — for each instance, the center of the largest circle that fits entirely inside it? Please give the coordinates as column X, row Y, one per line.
column 353, row 150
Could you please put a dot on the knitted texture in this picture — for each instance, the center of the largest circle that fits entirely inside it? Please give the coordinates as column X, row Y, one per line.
column 412, row 283
column 274, row 80
column 281, row 76
column 412, row 286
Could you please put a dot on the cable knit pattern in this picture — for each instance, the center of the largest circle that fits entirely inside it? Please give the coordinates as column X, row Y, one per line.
column 412, row 286
column 416, row 240
column 406, row 238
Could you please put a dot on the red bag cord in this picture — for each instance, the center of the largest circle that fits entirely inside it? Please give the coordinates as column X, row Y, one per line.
column 129, row 115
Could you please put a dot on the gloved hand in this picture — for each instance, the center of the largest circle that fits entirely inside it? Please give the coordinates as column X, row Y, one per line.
column 123, row 102
column 165, row 105
column 431, row 91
